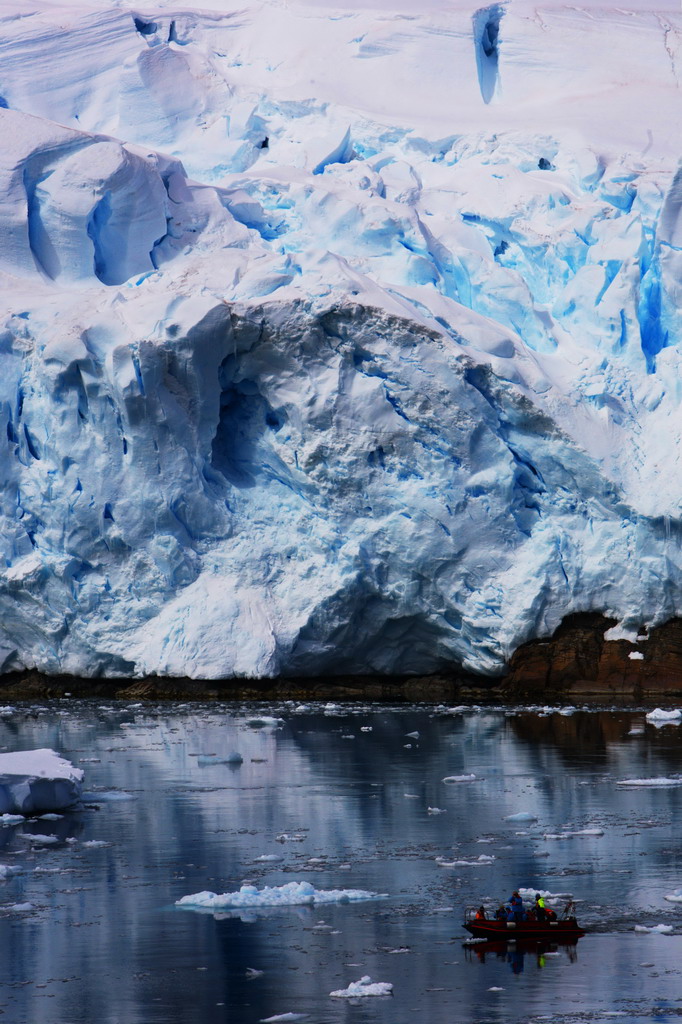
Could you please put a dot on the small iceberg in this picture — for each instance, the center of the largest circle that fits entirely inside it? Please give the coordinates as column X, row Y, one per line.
column 520, row 817
column 660, row 782
column 36, row 781
column 674, row 897
column 659, row 717
column 293, row 894
column 362, row 988
column 658, row 929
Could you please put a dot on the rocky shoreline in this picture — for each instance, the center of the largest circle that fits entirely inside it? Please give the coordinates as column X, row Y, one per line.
column 575, row 663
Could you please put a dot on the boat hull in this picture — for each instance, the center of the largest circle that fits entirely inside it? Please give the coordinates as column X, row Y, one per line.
column 505, row 930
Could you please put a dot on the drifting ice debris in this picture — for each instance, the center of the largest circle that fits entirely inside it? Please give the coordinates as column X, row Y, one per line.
column 206, row 760
column 36, row 781
column 280, row 1018
column 476, row 862
column 674, row 897
column 451, row 779
column 364, row 987
column 577, row 832
column 654, row 783
column 661, row 717
column 6, row 870
column 660, row 929
column 521, row 816
column 436, row 810
column 293, row 894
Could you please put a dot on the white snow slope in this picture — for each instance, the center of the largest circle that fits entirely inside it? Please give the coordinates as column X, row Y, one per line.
column 335, row 337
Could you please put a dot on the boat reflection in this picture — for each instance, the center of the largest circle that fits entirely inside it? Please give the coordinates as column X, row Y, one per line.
column 514, row 951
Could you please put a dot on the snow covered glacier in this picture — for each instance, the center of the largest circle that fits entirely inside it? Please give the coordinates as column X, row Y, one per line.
column 336, row 337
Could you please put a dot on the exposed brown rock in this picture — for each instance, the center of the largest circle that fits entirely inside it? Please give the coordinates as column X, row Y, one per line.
column 578, row 662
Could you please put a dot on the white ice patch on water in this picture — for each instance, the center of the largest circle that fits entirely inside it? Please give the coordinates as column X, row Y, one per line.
column 281, row 1017
column 477, row 862
column 37, row 839
column 660, row 717
column 6, row 871
column 11, row 819
column 293, row 894
column 674, row 897
column 436, row 810
column 530, row 894
column 521, row 816
column 364, row 987
column 267, row 858
column 33, row 781
column 636, row 656
column 661, row 782
column 452, row 779
column 577, row 832
column 659, row 929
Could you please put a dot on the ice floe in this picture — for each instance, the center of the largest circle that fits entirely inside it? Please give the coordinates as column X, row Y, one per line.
column 293, row 894
column 577, row 832
column 436, row 810
column 660, row 717
column 364, row 987
column 521, row 816
column 475, row 862
column 452, row 779
column 674, row 897
column 660, row 929
column 6, row 871
column 33, row 781
column 660, row 782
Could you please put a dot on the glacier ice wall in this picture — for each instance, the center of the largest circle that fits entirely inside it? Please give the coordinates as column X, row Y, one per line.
column 335, row 340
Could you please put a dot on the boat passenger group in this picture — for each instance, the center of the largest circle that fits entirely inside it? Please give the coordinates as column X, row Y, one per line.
column 514, row 910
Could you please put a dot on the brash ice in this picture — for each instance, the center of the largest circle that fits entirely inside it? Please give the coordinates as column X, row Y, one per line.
column 336, row 338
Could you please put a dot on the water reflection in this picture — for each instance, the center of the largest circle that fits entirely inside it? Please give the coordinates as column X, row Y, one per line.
column 344, row 799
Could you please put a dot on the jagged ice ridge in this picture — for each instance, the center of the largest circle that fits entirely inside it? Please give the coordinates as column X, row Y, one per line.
column 335, row 339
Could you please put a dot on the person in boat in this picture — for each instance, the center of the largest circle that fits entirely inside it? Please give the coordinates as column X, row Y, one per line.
column 540, row 909
column 516, row 907
column 480, row 914
column 500, row 913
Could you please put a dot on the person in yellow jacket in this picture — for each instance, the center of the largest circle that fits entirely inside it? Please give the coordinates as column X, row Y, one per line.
column 540, row 910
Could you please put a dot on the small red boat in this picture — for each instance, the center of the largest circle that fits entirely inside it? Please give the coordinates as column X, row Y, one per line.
column 566, row 930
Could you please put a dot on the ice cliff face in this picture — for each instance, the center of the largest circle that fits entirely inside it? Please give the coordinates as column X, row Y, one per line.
column 335, row 339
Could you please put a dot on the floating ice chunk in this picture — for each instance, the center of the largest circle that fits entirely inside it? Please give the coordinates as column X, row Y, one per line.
column 636, row 730
column 33, row 781
column 475, row 862
column 412, row 735
column 37, row 839
column 521, row 816
column 95, row 844
column 17, row 908
column 436, row 810
column 660, row 929
column 655, row 783
column 50, row 817
column 495, row 988
column 7, row 710
column 674, row 897
column 366, row 728
column 252, row 973
column 264, row 722
column 660, row 717
column 283, row 1017
column 530, row 894
column 577, row 832
column 267, row 857
column 287, row 837
column 206, row 760
column 636, row 656
column 6, row 870
column 452, row 779
column 364, row 987
column 11, row 819
column 293, row 894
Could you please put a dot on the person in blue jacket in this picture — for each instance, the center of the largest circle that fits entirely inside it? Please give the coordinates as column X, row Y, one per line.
column 516, row 906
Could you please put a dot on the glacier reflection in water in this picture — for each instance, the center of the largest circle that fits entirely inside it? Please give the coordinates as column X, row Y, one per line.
column 345, row 797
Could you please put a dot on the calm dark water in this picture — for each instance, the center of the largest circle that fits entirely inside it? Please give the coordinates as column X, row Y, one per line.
column 103, row 941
